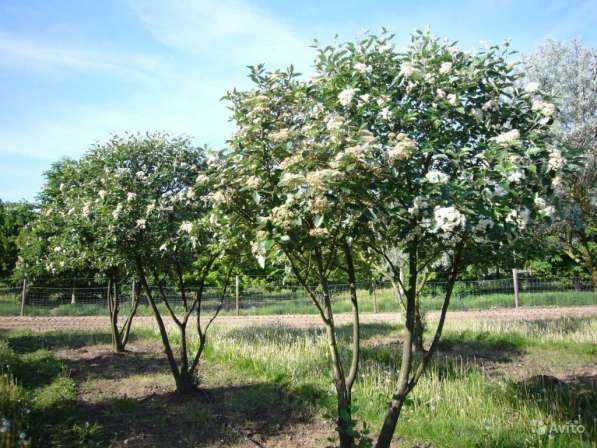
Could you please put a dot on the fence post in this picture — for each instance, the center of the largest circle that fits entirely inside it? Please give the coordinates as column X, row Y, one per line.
column 73, row 296
column 516, row 292
column 23, row 297
column 374, row 290
column 237, row 295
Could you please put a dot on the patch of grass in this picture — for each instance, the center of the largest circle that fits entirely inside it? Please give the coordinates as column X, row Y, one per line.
column 454, row 405
column 37, row 398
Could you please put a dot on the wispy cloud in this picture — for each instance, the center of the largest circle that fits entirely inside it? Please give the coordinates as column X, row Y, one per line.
column 16, row 51
column 223, row 30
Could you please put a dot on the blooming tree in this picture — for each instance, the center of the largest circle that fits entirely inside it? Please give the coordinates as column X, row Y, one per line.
column 144, row 202
column 65, row 242
column 278, row 180
column 419, row 157
column 568, row 72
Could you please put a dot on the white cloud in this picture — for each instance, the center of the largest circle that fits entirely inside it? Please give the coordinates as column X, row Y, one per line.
column 224, row 30
column 17, row 51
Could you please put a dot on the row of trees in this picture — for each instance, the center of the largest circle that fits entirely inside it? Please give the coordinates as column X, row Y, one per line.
column 412, row 165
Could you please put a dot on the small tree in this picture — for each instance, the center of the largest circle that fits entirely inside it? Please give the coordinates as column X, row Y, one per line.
column 418, row 157
column 68, row 239
column 151, row 207
column 568, row 72
column 278, row 182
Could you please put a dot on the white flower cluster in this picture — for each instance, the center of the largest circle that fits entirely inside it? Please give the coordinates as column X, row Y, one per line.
column 520, row 218
column 403, row 148
column 446, row 67
column 437, row 177
column 544, row 108
column 556, row 161
column 407, row 69
column 280, row 136
column 346, row 96
column 186, row 227
column 291, row 180
column 448, row 219
column 363, row 68
column 508, row 138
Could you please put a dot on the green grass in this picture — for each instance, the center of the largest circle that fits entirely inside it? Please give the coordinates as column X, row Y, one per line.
column 458, row 403
column 455, row 404
column 300, row 304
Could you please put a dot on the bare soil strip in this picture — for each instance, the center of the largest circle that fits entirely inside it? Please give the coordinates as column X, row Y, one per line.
column 94, row 323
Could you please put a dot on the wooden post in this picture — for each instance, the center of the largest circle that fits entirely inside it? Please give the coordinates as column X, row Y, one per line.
column 73, row 296
column 237, row 295
column 374, row 290
column 23, row 297
column 516, row 292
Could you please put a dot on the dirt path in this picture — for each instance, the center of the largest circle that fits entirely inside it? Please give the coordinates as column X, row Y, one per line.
column 91, row 323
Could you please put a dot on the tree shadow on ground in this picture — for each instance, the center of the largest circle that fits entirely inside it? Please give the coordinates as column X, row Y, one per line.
column 53, row 340
column 98, row 362
column 570, row 401
column 218, row 416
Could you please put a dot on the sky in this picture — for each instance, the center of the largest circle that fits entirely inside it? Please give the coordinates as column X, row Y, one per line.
column 73, row 72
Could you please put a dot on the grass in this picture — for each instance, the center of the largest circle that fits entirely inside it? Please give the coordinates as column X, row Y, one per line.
column 493, row 384
column 298, row 303
column 455, row 404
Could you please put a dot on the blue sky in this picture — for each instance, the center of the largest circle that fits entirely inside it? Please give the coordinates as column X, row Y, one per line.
column 74, row 71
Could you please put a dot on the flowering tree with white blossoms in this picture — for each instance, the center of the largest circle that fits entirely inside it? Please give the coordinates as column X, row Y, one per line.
column 277, row 179
column 428, row 153
column 453, row 149
column 145, row 201
column 568, row 72
column 64, row 241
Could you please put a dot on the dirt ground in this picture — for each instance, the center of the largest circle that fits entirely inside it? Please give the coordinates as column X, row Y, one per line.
column 132, row 395
column 39, row 323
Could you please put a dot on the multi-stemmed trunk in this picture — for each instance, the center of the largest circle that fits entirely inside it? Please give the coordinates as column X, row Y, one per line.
column 343, row 382
column 410, row 372
column 120, row 336
column 184, row 370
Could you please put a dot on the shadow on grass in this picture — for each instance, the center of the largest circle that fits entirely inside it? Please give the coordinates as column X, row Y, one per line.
column 569, row 402
column 28, row 341
column 221, row 415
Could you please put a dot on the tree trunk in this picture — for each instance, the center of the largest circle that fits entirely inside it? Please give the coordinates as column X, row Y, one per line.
column 419, row 330
column 389, row 425
column 117, row 346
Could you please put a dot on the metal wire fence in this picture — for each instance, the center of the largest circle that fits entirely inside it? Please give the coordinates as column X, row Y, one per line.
column 276, row 299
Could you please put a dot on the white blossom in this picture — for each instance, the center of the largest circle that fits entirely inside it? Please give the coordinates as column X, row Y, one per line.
column 508, row 138
column 86, row 210
column 130, row 196
column 407, row 69
column 556, row 161
column 544, row 108
column 62, row 187
column 418, row 204
column 319, row 232
column 291, row 180
column 448, row 218
column 102, row 193
column 385, row 113
column 404, row 147
column 532, row 87
column 440, row 94
column 345, row 97
column 253, row 182
column 445, row 67
column 116, row 211
column 362, row 68
column 334, row 122
column 280, row 136
column 516, row 175
column 141, row 223
column 186, row 226
column 452, row 99
column 520, row 218
column 483, row 225
column 436, row 177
